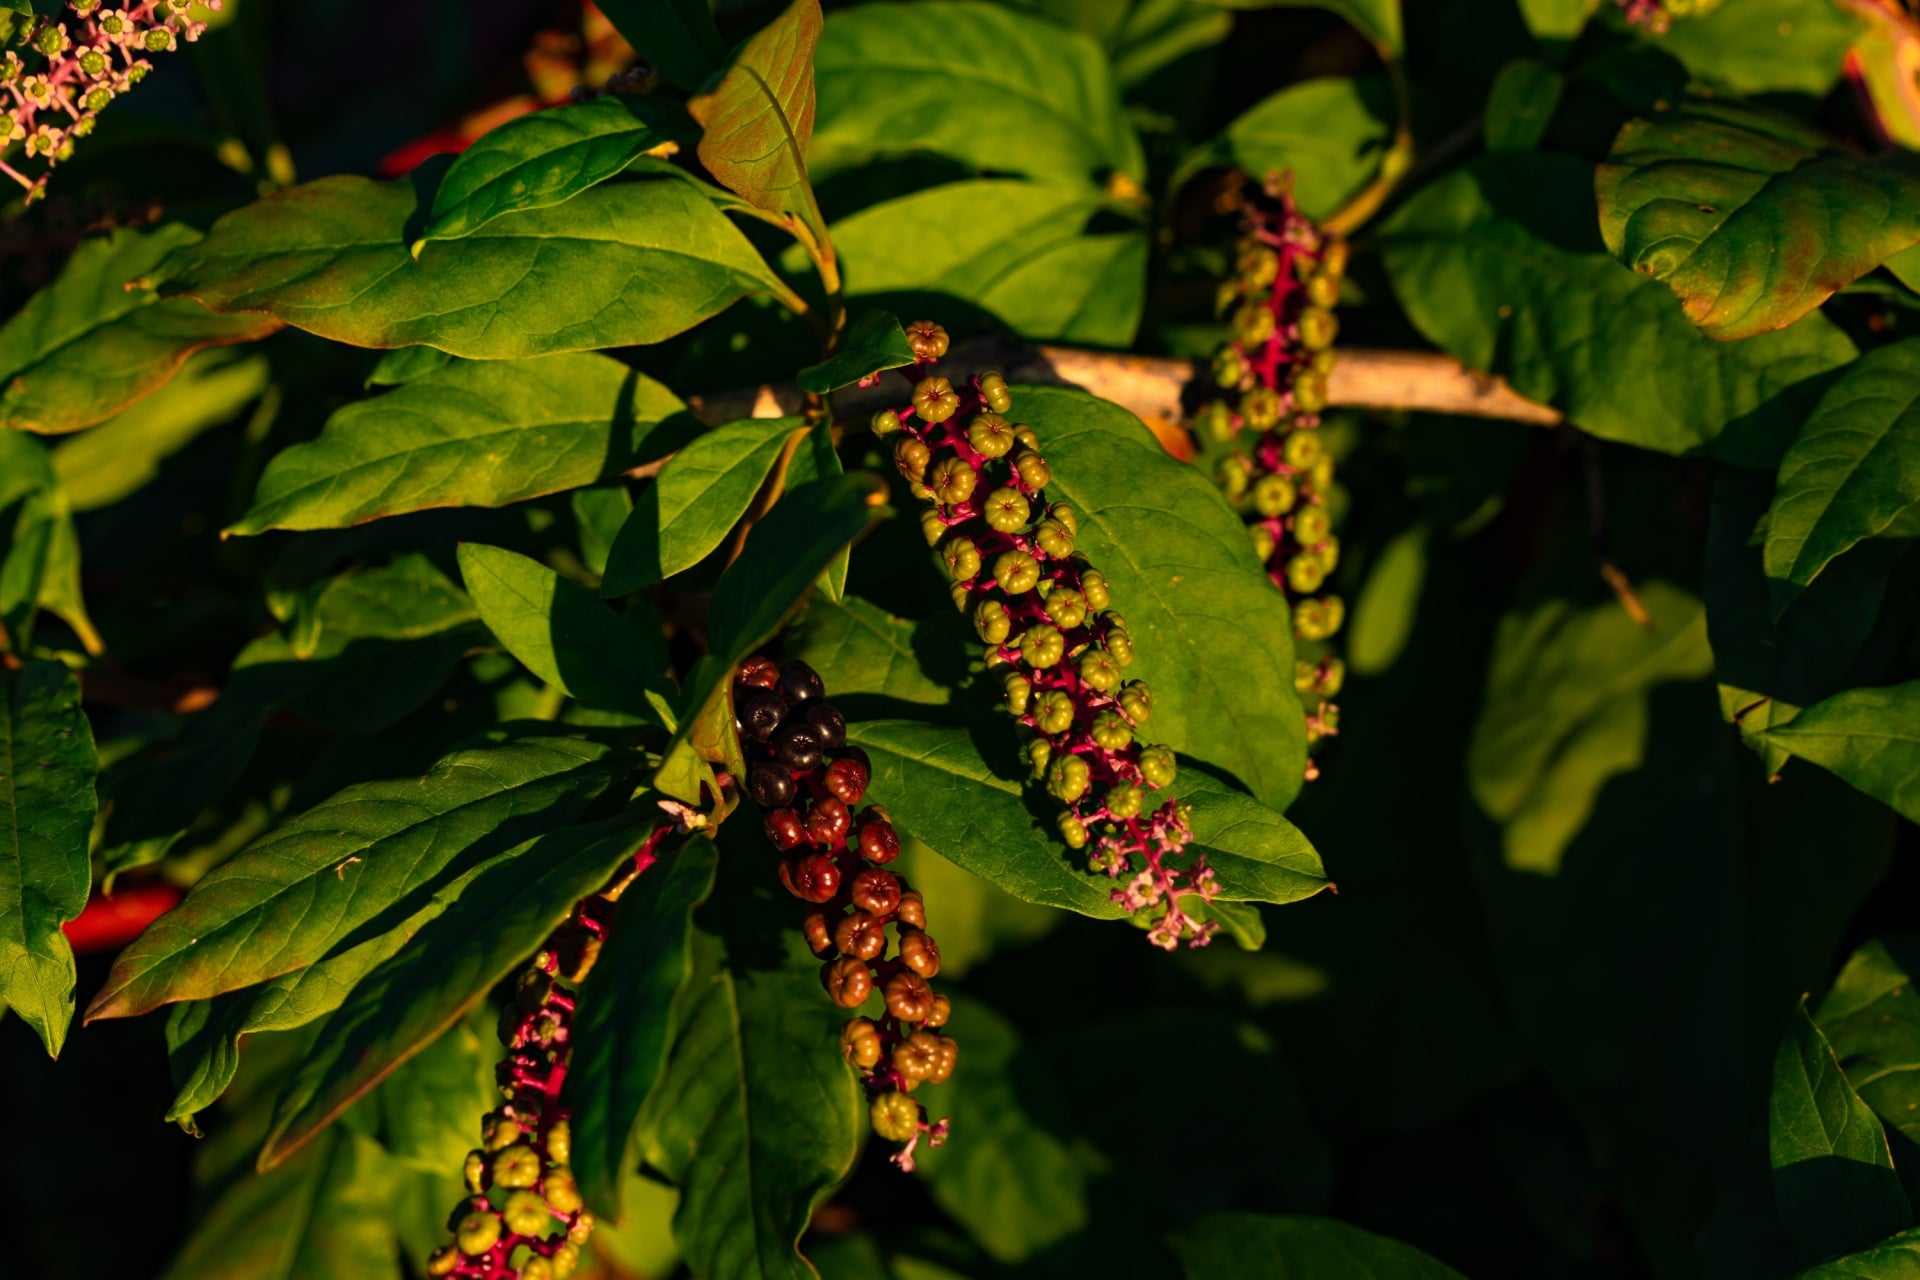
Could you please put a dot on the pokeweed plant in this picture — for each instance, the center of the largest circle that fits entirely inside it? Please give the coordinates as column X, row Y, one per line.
column 524, row 560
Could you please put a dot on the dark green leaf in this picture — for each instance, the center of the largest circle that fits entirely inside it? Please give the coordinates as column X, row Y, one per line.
column 479, row 434
column 1377, row 20
column 1212, row 635
column 46, row 813
column 1852, row 473
column 1329, row 133
column 698, row 496
column 1897, row 1258
column 996, row 90
column 543, row 159
column 759, row 117
column 1833, row 1175
column 566, row 636
column 1753, row 220
column 817, row 459
column 598, row 515
column 86, row 346
column 1556, row 20
column 677, row 36
column 860, row 650
column 356, row 862
column 1766, row 46
column 1495, row 264
column 1245, row 1246
column 626, row 263
column 625, row 1022
column 403, row 364
column 1384, row 611
column 875, row 342
column 1870, row 737
column 1520, row 105
column 1871, row 1017
column 1142, row 37
column 1027, row 263
column 408, row 1002
column 429, row 1108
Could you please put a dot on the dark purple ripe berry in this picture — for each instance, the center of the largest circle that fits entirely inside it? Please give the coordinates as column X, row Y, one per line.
column 760, row 714
column 770, row 785
column 798, row 746
column 831, row 724
column 800, row 683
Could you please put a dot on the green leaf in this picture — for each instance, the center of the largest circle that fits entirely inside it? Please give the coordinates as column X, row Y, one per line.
column 817, row 459
column 1520, row 105
column 46, row 812
column 1212, row 635
column 859, row 649
column 1015, row 1184
column 408, row 1002
column 1869, row 737
column 676, row 36
column 625, row 1022
column 1766, row 46
column 1833, row 1175
column 1142, row 37
column 325, row 1214
column 473, row 434
column 1557, row 20
column 1752, row 219
column 1495, row 264
column 566, row 636
column 86, row 346
column 1851, row 474
column 1896, row 1258
column 403, row 364
column 699, row 495
column 355, row 861
column 1385, row 609
column 758, row 119
column 625, row 263
column 1243, row 1246
column 874, row 343
column 427, row 1106
column 548, row 157
column 1871, row 1017
column 1030, row 265
column 757, row 1116
column 1329, row 133
column 995, row 90
column 1377, row 20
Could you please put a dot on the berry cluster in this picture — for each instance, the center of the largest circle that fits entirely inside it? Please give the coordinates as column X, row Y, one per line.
column 802, row 772
column 524, row 1219
column 1263, row 424
column 88, row 61
column 1658, row 15
column 1041, row 609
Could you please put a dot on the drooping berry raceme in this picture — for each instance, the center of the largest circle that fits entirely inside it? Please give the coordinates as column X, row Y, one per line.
column 523, row 1218
column 1261, row 428
column 1042, row 611
column 807, row 780
column 75, row 66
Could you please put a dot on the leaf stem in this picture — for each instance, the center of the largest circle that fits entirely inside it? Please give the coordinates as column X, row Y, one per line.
column 1394, row 165
column 769, row 492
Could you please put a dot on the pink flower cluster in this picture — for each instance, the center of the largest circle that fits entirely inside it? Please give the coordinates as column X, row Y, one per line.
column 88, row 61
column 1042, row 610
column 536, row 1229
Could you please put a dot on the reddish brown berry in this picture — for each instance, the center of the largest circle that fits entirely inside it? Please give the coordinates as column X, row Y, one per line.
column 949, row 1055
column 860, row 935
column 876, row 891
column 818, row 932
column 918, row 1056
column 847, row 779
column 908, row 996
column 827, row 822
column 813, row 877
column 849, row 982
column 784, row 829
column 878, row 840
column 760, row 673
column 912, row 909
column 860, row 1042
column 919, row 953
column 942, row 1010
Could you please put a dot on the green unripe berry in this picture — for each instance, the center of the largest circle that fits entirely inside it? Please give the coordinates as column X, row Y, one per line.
column 1019, row 691
column 1305, row 676
column 1032, row 469
column 1311, row 526
column 1216, row 421
column 993, row 389
column 1322, row 474
column 476, row 1233
column 1263, row 541
column 1068, row 779
column 1024, row 435
column 1093, row 585
column 52, row 41
column 1333, row 676
column 1233, row 476
column 1007, row 510
column 1274, row 495
column 517, row 1166
column 443, row 1261
column 1111, row 732
column 560, row 1142
column 935, row 400
column 1157, row 766
column 1323, row 362
column 1042, row 647
column 1318, row 327
column 1067, row 607
column 1123, row 802
column 1054, row 539
column 1323, row 290
column 1039, row 752
column 475, row 1171
column 96, row 99
column 526, row 1213
column 910, row 457
column 1305, row 572
column 1333, row 258
column 961, row 593
column 1252, row 324
column 536, row 1268
column 566, row 1260
column 93, row 62
column 1259, row 267
column 992, row 622
column 1072, row 830
column 159, row 40
column 1310, row 390
column 885, row 423
column 1329, row 553
column 1301, row 450
column 1230, row 368
column 962, row 558
column 1054, row 712
column 1099, row 672
column 563, row 1195
column 932, row 527
column 1064, row 513
column 952, row 480
column 499, row 1133
column 1015, row 571
column 895, row 1117
column 1136, row 700
column 990, row 435
column 1120, row 647
column 1260, row 408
